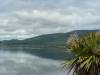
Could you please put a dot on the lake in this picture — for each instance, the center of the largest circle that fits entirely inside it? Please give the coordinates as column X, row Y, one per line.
column 23, row 63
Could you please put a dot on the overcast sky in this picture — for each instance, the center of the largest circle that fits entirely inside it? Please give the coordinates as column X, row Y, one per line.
column 20, row 19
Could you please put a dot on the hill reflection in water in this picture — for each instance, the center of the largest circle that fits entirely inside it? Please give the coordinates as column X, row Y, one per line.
column 21, row 63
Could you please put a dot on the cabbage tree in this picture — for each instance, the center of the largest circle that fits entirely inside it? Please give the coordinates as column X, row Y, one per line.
column 87, row 53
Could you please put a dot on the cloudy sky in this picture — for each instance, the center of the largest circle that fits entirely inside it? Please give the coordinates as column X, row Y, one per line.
column 20, row 19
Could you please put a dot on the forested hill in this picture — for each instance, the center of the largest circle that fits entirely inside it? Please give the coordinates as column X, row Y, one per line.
column 50, row 45
column 48, row 39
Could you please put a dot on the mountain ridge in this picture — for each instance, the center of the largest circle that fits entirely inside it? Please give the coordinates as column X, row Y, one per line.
column 49, row 46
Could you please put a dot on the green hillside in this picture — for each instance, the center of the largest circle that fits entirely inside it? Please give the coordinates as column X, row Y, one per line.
column 49, row 46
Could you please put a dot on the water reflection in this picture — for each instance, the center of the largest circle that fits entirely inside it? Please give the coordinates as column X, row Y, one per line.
column 21, row 63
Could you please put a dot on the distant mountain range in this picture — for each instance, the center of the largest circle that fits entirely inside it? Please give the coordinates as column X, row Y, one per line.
column 49, row 46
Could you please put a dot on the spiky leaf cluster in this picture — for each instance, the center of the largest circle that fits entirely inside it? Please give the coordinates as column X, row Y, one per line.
column 87, row 53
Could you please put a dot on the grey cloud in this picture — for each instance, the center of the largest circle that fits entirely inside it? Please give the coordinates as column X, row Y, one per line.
column 20, row 19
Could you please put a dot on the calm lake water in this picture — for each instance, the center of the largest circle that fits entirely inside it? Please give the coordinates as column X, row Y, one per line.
column 21, row 63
